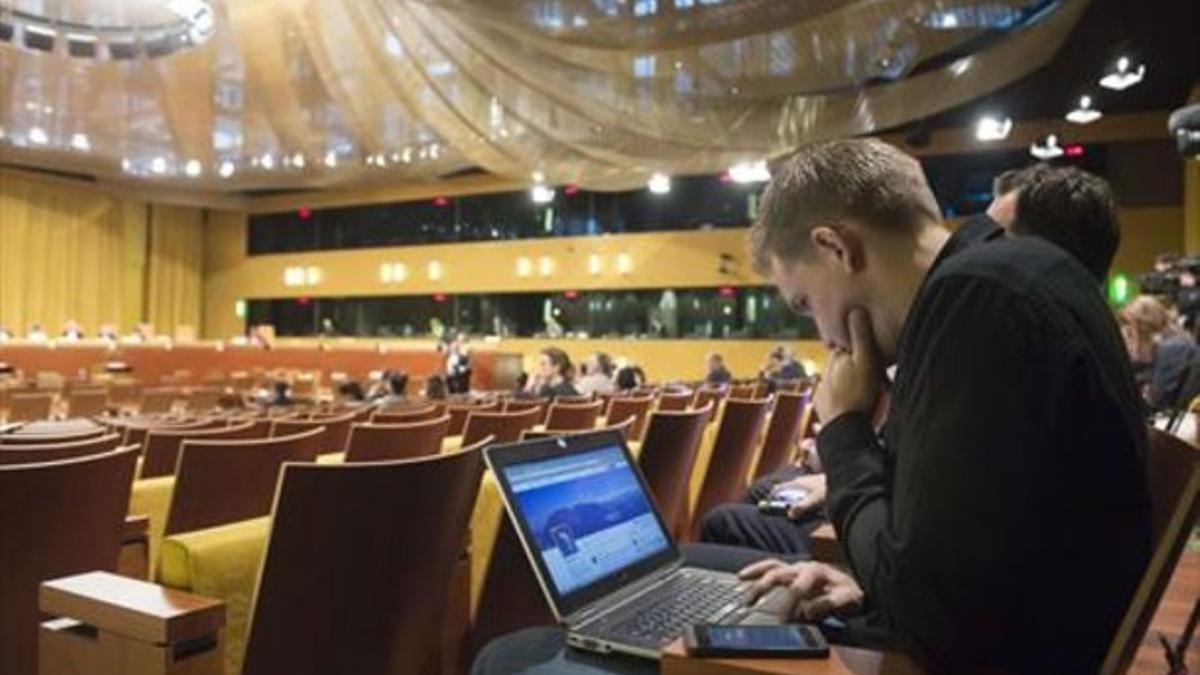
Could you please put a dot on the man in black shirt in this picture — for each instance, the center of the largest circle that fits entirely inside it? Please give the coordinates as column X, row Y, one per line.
column 1001, row 519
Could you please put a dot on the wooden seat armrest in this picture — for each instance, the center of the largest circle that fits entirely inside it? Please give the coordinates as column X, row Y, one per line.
column 135, row 529
column 825, row 546
column 136, row 609
column 841, row 661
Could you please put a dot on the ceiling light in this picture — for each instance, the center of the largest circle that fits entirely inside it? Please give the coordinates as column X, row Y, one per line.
column 331, row 159
column 1085, row 113
column 594, row 264
column 992, row 128
column 80, row 141
column 524, row 267
column 158, row 165
column 298, row 160
column 192, row 168
column 542, row 194
column 267, row 161
column 545, row 266
column 659, row 184
column 538, row 177
column 38, row 136
column 1124, row 76
column 126, row 165
column 750, row 172
column 226, row 169
column 434, row 270
column 406, row 156
column 433, row 151
column 1047, row 148
column 624, row 263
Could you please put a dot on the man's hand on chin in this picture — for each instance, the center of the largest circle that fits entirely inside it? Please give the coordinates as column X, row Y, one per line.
column 853, row 379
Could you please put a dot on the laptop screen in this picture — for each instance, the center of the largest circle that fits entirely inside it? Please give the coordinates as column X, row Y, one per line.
column 587, row 515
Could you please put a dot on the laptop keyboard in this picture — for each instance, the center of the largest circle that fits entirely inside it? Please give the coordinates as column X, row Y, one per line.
column 685, row 600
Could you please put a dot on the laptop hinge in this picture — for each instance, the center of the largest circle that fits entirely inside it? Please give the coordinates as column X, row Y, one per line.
column 620, row 597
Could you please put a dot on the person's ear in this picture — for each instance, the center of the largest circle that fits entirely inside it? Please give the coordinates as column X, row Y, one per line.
column 839, row 245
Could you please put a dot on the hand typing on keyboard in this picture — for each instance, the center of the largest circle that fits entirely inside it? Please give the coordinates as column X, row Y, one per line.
column 814, row 590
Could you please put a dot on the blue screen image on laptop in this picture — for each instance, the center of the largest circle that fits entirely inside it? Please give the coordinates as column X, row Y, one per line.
column 588, row 515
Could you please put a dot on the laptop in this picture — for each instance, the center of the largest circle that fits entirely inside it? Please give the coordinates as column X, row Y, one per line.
column 611, row 572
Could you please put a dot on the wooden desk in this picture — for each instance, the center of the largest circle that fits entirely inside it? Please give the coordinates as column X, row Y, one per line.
column 841, row 661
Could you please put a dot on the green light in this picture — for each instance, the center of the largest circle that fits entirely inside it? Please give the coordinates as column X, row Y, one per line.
column 1118, row 289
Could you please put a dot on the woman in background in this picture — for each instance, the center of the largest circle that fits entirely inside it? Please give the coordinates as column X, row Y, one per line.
column 598, row 373
column 1163, row 354
column 553, row 376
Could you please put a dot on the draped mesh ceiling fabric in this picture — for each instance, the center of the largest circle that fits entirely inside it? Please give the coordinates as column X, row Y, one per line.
column 315, row 93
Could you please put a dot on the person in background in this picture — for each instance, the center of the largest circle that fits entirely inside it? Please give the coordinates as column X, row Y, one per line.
column 5, row 333
column 1163, row 354
column 280, row 394
column 598, row 373
column 553, row 376
column 1187, row 300
column 390, row 389
column 1071, row 208
column 629, row 377
column 108, row 332
column 781, row 366
column 36, row 334
column 352, row 392
column 716, row 373
column 458, row 365
column 72, row 331
column 435, row 388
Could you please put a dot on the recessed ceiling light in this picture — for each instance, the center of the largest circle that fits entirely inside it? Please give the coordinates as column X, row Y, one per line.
column 1085, row 113
column 750, row 172
column 158, row 165
column 1124, row 75
column 990, row 128
column 38, row 136
column 659, row 184
column 80, row 141
column 226, row 169
column 192, row 168
column 1046, row 149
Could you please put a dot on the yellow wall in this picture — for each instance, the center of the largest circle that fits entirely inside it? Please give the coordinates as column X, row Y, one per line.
column 73, row 251
column 657, row 260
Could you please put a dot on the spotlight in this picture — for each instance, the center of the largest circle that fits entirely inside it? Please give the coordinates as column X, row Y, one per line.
column 992, row 128
column 1047, row 148
column 659, row 184
column 750, row 172
column 1124, row 76
column 1085, row 113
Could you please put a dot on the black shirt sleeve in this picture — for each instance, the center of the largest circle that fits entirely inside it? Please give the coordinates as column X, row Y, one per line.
column 937, row 538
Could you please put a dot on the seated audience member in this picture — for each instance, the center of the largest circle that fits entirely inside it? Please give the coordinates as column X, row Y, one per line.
column 553, row 377
column 435, row 388
column 781, row 367
column 1163, row 353
column 1066, row 206
column 974, row 507
column 391, row 389
column 352, row 392
column 72, row 331
column 107, row 332
column 36, row 334
column 976, row 512
column 1073, row 209
column 597, row 377
column 5, row 333
column 458, row 365
column 280, row 394
column 629, row 378
column 716, row 373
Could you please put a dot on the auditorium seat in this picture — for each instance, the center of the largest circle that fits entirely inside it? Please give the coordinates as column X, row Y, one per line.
column 725, row 474
column 1173, row 470
column 708, row 393
column 54, row 451
column 459, row 413
column 69, row 434
column 224, row 481
column 29, row 407
column 668, row 457
column 333, row 439
column 378, row 442
column 44, row 535
column 623, row 428
column 783, row 433
column 89, row 402
column 203, row 400
column 636, row 408
column 675, row 400
column 162, row 445
column 572, row 416
column 504, row 427
column 158, row 400
column 746, row 391
column 395, row 415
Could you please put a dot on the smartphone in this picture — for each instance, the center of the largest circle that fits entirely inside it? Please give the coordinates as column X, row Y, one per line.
column 779, row 502
column 788, row 640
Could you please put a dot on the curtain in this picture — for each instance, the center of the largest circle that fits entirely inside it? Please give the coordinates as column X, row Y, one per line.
column 64, row 251
column 174, row 279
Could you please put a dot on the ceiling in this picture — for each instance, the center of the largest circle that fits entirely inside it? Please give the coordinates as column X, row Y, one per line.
column 301, row 94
